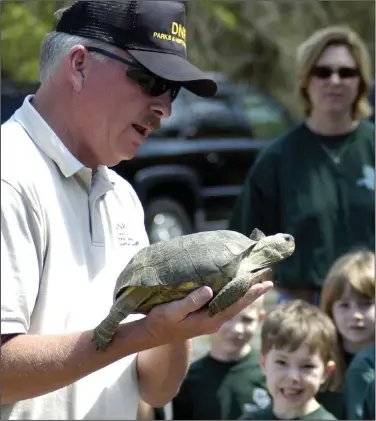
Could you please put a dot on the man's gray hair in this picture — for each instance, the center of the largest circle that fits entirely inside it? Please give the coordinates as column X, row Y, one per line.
column 57, row 45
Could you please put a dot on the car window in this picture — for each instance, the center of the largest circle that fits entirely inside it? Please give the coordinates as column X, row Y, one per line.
column 215, row 117
column 9, row 104
column 266, row 119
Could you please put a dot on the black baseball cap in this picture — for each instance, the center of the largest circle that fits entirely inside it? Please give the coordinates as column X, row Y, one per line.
column 152, row 31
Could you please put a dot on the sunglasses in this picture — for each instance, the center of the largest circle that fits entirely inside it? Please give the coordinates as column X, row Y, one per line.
column 325, row 72
column 149, row 82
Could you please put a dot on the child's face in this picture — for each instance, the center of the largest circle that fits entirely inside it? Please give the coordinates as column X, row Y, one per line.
column 232, row 340
column 354, row 317
column 293, row 379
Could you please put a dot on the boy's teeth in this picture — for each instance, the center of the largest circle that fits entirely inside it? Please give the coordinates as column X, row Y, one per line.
column 291, row 392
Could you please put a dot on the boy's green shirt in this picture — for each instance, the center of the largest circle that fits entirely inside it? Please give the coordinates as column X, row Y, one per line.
column 214, row 390
column 332, row 402
column 267, row 414
column 295, row 187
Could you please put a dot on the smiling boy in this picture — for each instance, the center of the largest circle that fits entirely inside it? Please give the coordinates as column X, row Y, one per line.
column 297, row 341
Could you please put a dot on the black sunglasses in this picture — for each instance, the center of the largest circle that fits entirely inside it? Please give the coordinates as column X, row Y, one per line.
column 149, row 82
column 325, row 72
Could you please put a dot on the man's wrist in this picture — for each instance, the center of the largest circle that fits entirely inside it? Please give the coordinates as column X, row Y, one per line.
column 138, row 334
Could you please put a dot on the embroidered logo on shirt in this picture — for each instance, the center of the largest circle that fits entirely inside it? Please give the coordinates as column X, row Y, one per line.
column 250, row 407
column 261, row 398
column 124, row 237
column 368, row 180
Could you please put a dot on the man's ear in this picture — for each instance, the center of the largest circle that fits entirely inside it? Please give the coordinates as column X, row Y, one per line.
column 77, row 61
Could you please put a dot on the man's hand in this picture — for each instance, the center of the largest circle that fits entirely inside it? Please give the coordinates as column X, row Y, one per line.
column 184, row 319
column 162, row 369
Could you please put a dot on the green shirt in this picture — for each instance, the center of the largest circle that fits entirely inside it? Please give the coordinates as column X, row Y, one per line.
column 334, row 402
column 214, row 390
column 359, row 375
column 268, row 414
column 369, row 402
column 296, row 187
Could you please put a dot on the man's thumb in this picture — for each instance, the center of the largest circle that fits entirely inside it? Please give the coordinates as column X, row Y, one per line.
column 196, row 299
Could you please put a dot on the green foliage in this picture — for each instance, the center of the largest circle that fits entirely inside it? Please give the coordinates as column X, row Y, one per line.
column 259, row 44
column 249, row 40
column 222, row 13
column 23, row 26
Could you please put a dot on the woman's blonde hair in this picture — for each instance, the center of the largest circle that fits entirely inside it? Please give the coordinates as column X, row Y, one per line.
column 355, row 271
column 310, row 51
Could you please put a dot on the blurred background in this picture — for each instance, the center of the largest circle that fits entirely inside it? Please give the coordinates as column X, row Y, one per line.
column 190, row 172
column 250, row 41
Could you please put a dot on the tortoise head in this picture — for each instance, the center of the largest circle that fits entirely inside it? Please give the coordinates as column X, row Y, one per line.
column 272, row 249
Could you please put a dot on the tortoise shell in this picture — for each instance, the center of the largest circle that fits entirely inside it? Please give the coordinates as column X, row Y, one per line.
column 197, row 259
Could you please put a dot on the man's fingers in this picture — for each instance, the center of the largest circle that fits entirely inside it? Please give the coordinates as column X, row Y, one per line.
column 194, row 301
column 257, row 290
column 187, row 319
column 252, row 294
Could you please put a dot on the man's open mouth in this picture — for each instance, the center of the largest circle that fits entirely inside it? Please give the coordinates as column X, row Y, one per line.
column 140, row 129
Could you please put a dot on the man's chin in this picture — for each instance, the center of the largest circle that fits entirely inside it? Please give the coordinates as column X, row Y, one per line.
column 115, row 162
column 127, row 155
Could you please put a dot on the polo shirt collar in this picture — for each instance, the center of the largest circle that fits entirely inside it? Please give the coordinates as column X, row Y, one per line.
column 50, row 144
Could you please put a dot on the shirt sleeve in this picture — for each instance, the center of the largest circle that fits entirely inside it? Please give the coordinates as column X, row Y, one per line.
column 21, row 260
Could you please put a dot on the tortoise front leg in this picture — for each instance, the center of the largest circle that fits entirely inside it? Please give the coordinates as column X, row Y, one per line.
column 234, row 290
column 125, row 304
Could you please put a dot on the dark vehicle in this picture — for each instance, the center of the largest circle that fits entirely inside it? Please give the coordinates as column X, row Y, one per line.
column 189, row 172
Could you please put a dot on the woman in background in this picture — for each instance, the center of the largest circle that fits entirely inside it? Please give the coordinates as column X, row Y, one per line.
column 316, row 182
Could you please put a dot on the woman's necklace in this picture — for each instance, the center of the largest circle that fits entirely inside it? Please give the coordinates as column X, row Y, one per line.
column 335, row 157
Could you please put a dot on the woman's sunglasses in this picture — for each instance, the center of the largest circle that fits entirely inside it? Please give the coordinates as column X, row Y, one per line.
column 149, row 82
column 325, row 72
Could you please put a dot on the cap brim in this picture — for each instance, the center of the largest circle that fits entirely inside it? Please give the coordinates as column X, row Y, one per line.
column 177, row 69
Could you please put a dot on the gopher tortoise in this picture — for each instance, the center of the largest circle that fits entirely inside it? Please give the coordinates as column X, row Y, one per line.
column 227, row 261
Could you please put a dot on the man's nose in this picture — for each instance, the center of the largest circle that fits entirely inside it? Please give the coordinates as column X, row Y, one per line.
column 162, row 105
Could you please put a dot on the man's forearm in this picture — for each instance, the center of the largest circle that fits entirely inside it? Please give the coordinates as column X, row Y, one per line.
column 32, row 365
column 161, row 371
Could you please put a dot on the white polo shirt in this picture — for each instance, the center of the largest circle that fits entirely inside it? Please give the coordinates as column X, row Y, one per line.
column 65, row 237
